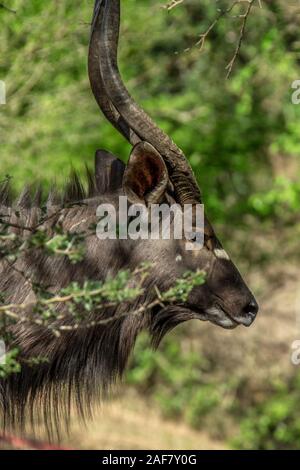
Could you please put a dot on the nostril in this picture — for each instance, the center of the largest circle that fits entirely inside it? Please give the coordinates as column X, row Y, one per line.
column 251, row 308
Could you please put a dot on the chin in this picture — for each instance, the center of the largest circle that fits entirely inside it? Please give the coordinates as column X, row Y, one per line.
column 225, row 323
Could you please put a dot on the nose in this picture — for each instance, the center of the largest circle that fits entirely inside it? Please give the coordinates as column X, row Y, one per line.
column 251, row 308
column 249, row 312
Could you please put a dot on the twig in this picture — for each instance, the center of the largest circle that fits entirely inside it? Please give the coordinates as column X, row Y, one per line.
column 173, row 4
column 4, row 7
column 245, row 17
column 105, row 321
column 222, row 13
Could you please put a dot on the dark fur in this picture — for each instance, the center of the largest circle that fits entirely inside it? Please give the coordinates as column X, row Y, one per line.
column 82, row 365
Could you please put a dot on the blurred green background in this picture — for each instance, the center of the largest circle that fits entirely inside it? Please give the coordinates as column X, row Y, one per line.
column 241, row 136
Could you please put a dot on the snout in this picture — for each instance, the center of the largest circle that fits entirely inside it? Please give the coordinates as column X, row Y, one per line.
column 224, row 299
column 248, row 313
column 233, row 297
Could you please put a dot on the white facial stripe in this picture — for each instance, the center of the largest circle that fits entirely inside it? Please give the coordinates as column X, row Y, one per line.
column 178, row 258
column 221, row 254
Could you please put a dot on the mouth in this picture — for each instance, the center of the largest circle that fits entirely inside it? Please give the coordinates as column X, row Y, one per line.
column 220, row 317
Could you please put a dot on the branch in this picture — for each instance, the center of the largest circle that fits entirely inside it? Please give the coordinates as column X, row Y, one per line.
column 222, row 13
column 245, row 17
column 99, row 298
column 173, row 4
column 7, row 9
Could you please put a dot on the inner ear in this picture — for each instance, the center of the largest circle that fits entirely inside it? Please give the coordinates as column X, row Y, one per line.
column 146, row 176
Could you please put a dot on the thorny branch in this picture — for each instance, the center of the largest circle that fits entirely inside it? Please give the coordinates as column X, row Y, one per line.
column 89, row 301
column 79, row 300
column 19, row 312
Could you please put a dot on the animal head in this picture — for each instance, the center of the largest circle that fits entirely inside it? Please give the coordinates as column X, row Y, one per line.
column 158, row 172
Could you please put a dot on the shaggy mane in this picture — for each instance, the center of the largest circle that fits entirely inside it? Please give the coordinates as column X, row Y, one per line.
column 81, row 365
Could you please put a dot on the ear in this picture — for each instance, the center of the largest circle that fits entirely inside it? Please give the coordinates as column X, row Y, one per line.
column 146, row 176
column 109, row 171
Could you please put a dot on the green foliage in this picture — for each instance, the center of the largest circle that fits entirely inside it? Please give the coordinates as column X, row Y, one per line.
column 63, row 244
column 176, row 378
column 11, row 364
column 283, row 197
column 184, row 286
column 12, row 246
column 184, row 385
column 274, row 423
column 231, row 130
column 83, row 303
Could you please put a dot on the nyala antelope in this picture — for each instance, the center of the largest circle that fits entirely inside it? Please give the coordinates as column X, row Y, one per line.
column 83, row 364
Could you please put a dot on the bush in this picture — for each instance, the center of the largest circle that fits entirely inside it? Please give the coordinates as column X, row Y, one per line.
column 176, row 377
column 185, row 386
column 274, row 423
